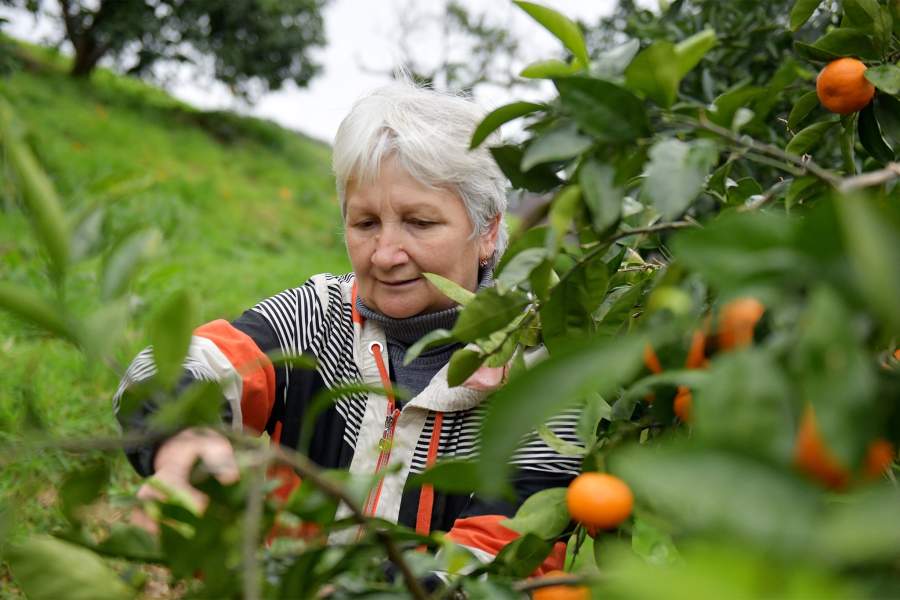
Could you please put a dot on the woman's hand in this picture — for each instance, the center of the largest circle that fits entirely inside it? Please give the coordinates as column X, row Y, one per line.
column 173, row 463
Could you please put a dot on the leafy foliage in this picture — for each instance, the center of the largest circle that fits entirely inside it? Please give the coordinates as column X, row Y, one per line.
column 253, row 46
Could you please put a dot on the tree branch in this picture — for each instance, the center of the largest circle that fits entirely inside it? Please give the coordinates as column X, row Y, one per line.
column 889, row 172
column 806, row 164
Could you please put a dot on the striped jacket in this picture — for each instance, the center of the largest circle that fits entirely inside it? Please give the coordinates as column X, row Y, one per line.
column 318, row 318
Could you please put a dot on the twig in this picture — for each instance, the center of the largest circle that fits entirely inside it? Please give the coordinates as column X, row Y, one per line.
column 764, row 198
column 534, row 584
column 252, row 524
column 806, row 164
column 889, row 172
column 601, row 246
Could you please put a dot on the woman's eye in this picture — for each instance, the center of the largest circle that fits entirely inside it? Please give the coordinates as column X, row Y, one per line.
column 422, row 223
column 364, row 224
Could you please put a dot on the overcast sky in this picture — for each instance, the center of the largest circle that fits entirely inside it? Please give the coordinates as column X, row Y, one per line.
column 362, row 37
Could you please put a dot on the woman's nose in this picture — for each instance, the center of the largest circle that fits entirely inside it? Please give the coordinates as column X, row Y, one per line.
column 389, row 251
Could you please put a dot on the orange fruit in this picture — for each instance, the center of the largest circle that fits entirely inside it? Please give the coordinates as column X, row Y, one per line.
column 897, row 353
column 561, row 592
column 651, row 361
column 736, row 322
column 842, row 86
column 813, row 457
column 599, row 500
column 879, row 456
column 696, row 357
column 682, row 404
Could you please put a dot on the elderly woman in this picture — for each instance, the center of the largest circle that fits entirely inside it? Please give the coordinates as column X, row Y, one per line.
column 414, row 200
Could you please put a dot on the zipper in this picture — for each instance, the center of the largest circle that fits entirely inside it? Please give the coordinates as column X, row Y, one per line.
column 387, row 435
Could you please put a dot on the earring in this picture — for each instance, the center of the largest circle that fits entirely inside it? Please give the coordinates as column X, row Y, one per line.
column 483, row 263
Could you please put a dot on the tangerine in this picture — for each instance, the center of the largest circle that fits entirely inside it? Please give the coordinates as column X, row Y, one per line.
column 842, row 86
column 561, row 592
column 682, row 404
column 737, row 321
column 879, row 456
column 599, row 500
column 813, row 457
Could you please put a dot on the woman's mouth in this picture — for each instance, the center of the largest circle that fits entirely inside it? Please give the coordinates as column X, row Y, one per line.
column 400, row 283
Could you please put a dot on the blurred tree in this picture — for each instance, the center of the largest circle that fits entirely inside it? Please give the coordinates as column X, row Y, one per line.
column 471, row 49
column 250, row 44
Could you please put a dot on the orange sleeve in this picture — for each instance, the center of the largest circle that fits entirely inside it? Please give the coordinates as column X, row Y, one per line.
column 485, row 533
column 253, row 367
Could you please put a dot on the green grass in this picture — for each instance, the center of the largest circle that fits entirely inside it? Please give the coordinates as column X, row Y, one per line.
column 246, row 209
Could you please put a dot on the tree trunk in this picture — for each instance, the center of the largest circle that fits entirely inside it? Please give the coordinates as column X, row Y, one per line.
column 86, row 58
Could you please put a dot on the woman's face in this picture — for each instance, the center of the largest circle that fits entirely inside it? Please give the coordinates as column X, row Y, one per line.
column 397, row 229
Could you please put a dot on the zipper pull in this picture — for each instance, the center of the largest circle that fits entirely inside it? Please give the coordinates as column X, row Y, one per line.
column 388, row 434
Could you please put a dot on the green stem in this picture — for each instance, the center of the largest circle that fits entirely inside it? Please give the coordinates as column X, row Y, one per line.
column 847, row 139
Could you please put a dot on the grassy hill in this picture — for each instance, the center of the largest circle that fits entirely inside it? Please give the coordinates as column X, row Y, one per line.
column 245, row 209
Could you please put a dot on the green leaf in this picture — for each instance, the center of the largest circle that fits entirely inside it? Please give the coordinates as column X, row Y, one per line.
column 727, row 104
column 602, row 196
column 567, row 313
column 801, row 109
column 539, row 179
column 549, row 69
column 451, row 476
column 612, row 63
column 487, row 313
column 451, row 289
column 82, row 487
column 871, row 229
column 522, row 556
column 170, row 330
column 676, row 174
column 887, row 111
column 690, row 51
column 49, row 569
column 602, row 109
column 744, row 403
column 559, row 445
column 566, row 30
column 802, row 11
column 432, row 338
column 807, row 138
column 30, row 307
column 870, row 136
column 131, row 543
column 125, row 260
column 200, row 404
column 746, row 500
column 845, row 41
column 548, row 388
column 653, row 544
column 885, row 77
column 655, row 73
column 38, row 193
column 743, row 249
column 519, row 267
column 658, row 70
column 562, row 213
column 463, row 363
column 499, row 116
column 559, row 143
column 543, row 514
column 864, row 528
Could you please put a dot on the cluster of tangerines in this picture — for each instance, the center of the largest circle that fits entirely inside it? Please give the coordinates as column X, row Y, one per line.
column 600, row 501
column 737, row 322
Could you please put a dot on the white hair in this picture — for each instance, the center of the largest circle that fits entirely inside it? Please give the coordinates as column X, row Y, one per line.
column 428, row 132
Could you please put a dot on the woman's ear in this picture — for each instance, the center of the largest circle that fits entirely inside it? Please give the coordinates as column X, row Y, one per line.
column 488, row 239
